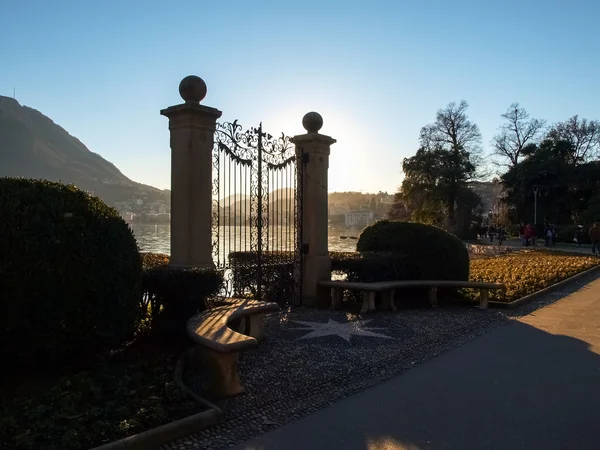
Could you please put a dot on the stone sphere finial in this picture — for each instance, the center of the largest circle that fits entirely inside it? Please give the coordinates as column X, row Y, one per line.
column 192, row 89
column 312, row 122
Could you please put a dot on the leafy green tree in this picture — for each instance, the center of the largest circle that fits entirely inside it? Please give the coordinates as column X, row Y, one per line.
column 582, row 135
column 566, row 188
column 447, row 160
column 468, row 213
column 592, row 211
column 399, row 209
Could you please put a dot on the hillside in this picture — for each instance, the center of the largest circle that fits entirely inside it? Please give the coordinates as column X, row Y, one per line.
column 33, row 146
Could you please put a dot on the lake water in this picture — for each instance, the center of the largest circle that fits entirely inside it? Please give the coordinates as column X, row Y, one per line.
column 156, row 239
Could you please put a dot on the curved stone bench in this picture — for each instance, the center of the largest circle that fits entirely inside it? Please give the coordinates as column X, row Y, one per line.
column 218, row 345
column 388, row 287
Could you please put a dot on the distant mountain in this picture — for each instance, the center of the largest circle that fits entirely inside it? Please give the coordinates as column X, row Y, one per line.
column 33, row 146
column 238, row 208
column 278, row 198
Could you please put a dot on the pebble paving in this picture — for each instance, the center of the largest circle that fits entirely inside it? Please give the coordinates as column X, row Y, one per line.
column 302, row 367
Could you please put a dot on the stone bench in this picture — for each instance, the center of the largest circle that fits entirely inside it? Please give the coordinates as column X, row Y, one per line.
column 217, row 344
column 338, row 287
column 388, row 288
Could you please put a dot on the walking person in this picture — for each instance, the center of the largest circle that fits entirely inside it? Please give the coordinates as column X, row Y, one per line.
column 594, row 234
column 578, row 235
column 548, row 233
column 522, row 234
column 501, row 235
column 529, row 235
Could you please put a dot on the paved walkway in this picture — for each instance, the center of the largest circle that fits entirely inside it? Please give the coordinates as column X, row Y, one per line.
column 561, row 246
column 532, row 384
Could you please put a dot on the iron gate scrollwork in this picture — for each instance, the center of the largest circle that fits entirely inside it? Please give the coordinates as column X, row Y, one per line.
column 256, row 214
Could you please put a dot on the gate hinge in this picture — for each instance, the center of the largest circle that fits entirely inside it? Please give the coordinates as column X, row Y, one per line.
column 305, row 249
column 305, row 157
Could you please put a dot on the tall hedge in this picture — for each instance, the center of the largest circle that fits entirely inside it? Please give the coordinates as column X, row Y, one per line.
column 70, row 272
column 416, row 251
column 171, row 295
column 566, row 233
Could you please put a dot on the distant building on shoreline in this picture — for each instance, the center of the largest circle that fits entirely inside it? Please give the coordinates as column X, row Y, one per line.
column 358, row 219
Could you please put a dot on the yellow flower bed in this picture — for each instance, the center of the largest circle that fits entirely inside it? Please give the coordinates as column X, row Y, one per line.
column 152, row 260
column 528, row 271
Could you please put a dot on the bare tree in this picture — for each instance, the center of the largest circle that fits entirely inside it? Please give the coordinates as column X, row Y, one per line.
column 452, row 131
column 581, row 134
column 518, row 131
column 450, row 153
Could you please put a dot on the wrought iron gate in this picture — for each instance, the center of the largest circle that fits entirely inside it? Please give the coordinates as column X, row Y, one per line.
column 257, row 206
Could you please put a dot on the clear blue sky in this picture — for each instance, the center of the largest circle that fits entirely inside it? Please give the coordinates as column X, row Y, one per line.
column 377, row 71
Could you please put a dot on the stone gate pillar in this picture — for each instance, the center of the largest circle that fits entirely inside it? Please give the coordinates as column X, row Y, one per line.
column 192, row 128
column 312, row 151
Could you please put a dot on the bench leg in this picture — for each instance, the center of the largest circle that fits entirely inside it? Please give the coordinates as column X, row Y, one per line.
column 368, row 302
column 484, row 295
column 223, row 370
column 336, row 298
column 387, row 300
column 433, row 297
column 371, row 301
column 256, row 324
column 365, row 303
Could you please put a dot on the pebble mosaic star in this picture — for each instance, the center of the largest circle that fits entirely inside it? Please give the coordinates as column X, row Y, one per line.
column 343, row 330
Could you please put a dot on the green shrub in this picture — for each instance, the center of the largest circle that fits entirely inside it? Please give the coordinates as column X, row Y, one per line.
column 70, row 272
column 415, row 251
column 566, row 233
column 121, row 394
column 277, row 275
column 171, row 295
column 369, row 266
column 512, row 230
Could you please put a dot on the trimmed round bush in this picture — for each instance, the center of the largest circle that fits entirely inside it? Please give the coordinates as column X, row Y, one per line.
column 418, row 251
column 70, row 272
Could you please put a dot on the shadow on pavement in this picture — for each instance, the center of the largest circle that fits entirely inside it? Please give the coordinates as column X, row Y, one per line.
column 515, row 388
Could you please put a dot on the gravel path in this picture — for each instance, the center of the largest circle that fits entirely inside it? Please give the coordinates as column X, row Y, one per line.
column 302, row 367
